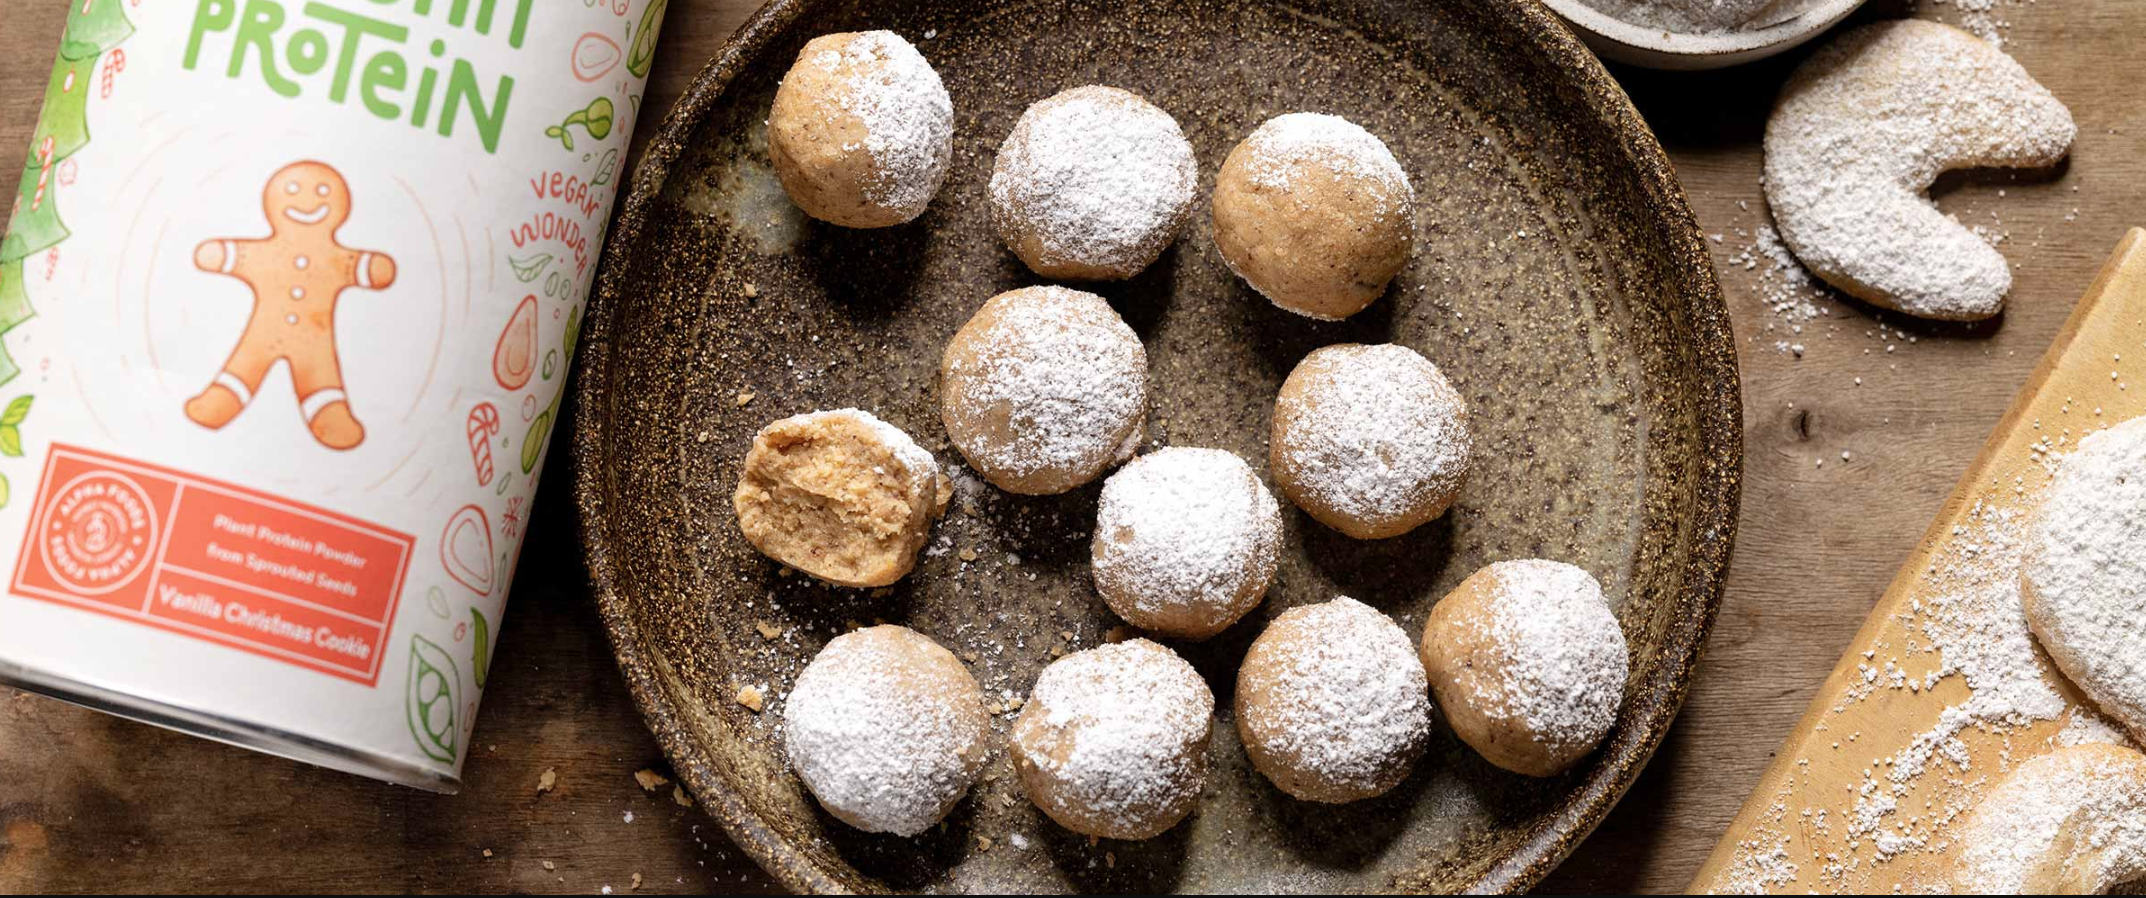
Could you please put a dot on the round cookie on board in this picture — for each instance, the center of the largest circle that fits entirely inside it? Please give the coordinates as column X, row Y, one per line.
column 1332, row 704
column 2063, row 823
column 887, row 729
column 1093, row 184
column 840, row 495
column 1370, row 440
column 862, row 130
column 1043, row 389
column 2083, row 582
column 1113, row 740
column 1861, row 131
column 1528, row 664
column 1186, row 541
column 1315, row 213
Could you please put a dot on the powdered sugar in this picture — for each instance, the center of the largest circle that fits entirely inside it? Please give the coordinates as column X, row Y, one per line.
column 1342, row 694
column 1287, row 144
column 877, row 733
column 1700, row 16
column 2085, row 576
column 908, row 117
column 2070, row 822
column 1121, row 731
column 1054, row 380
column 1188, row 533
column 1098, row 176
column 1566, row 654
column 1374, row 432
column 1866, row 125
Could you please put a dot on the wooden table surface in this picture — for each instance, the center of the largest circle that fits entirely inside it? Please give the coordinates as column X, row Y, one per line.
column 1851, row 449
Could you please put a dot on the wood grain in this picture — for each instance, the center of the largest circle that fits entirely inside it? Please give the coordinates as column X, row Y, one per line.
column 1853, row 725
column 88, row 802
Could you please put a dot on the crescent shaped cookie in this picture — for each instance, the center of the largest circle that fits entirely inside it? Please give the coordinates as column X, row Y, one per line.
column 2083, row 583
column 2071, row 822
column 1862, row 130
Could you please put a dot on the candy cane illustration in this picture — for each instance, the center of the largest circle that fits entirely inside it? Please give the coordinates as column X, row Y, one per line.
column 114, row 63
column 44, row 173
column 483, row 426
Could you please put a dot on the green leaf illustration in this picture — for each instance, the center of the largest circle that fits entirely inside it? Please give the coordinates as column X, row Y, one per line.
column 3, row 491
column 16, row 411
column 10, row 441
column 606, row 169
column 540, row 428
column 642, row 54
column 597, row 118
column 480, row 634
column 430, row 700
column 531, row 268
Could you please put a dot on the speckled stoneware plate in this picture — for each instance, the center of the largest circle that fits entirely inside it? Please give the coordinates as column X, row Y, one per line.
column 1559, row 280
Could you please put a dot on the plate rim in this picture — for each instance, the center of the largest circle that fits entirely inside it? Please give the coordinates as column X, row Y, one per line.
column 1717, row 495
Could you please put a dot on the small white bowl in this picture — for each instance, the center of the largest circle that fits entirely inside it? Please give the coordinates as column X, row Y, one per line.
column 1654, row 48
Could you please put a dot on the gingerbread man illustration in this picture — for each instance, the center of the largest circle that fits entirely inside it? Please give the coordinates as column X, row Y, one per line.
column 297, row 273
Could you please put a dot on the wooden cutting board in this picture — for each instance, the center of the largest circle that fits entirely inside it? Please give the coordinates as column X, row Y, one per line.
column 1809, row 825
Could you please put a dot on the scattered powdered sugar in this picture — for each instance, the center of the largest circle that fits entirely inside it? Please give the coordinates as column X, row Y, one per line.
column 920, row 468
column 1287, row 144
column 1062, row 372
column 2072, row 821
column 2086, row 571
column 1863, row 129
column 1186, row 528
column 908, row 117
column 876, row 734
column 1567, row 653
column 1374, row 431
column 2088, row 728
column 1344, row 694
column 1100, row 176
column 1701, row 16
column 1122, row 731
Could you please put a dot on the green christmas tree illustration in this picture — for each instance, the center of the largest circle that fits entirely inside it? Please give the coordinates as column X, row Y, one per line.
column 94, row 27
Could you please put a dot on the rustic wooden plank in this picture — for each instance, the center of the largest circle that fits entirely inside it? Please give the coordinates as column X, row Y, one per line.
column 87, row 802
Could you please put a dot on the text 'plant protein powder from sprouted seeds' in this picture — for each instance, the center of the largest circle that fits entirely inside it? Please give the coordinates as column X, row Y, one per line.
column 287, row 300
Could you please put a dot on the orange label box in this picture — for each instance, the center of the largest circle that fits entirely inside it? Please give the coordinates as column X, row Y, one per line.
column 213, row 560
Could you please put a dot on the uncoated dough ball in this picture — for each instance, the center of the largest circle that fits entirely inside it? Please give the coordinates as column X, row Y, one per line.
column 887, row 729
column 1331, row 702
column 1113, row 740
column 1186, row 541
column 1370, row 440
column 1043, row 389
column 1092, row 184
column 1528, row 664
column 1315, row 213
column 862, row 130
column 840, row 495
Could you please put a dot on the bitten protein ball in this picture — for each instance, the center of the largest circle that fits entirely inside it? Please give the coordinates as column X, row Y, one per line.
column 1332, row 704
column 1185, row 541
column 1528, row 664
column 1092, row 184
column 861, row 131
column 1315, row 213
column 1370, row 440
column 1113, row 741
column 1043, row 389
column 887, row 729
column 840, row 495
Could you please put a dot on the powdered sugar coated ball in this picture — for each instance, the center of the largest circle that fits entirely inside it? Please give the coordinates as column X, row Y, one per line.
column 1093, row 184
column 1315, row 213
column 2083, row 584
column 1186, row 541
column 887, row 729
column 1370, row 440
column 1043, row 389
column 1113, row 740
column 1528, row 664
column 862, row 130
column 1332, row 704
